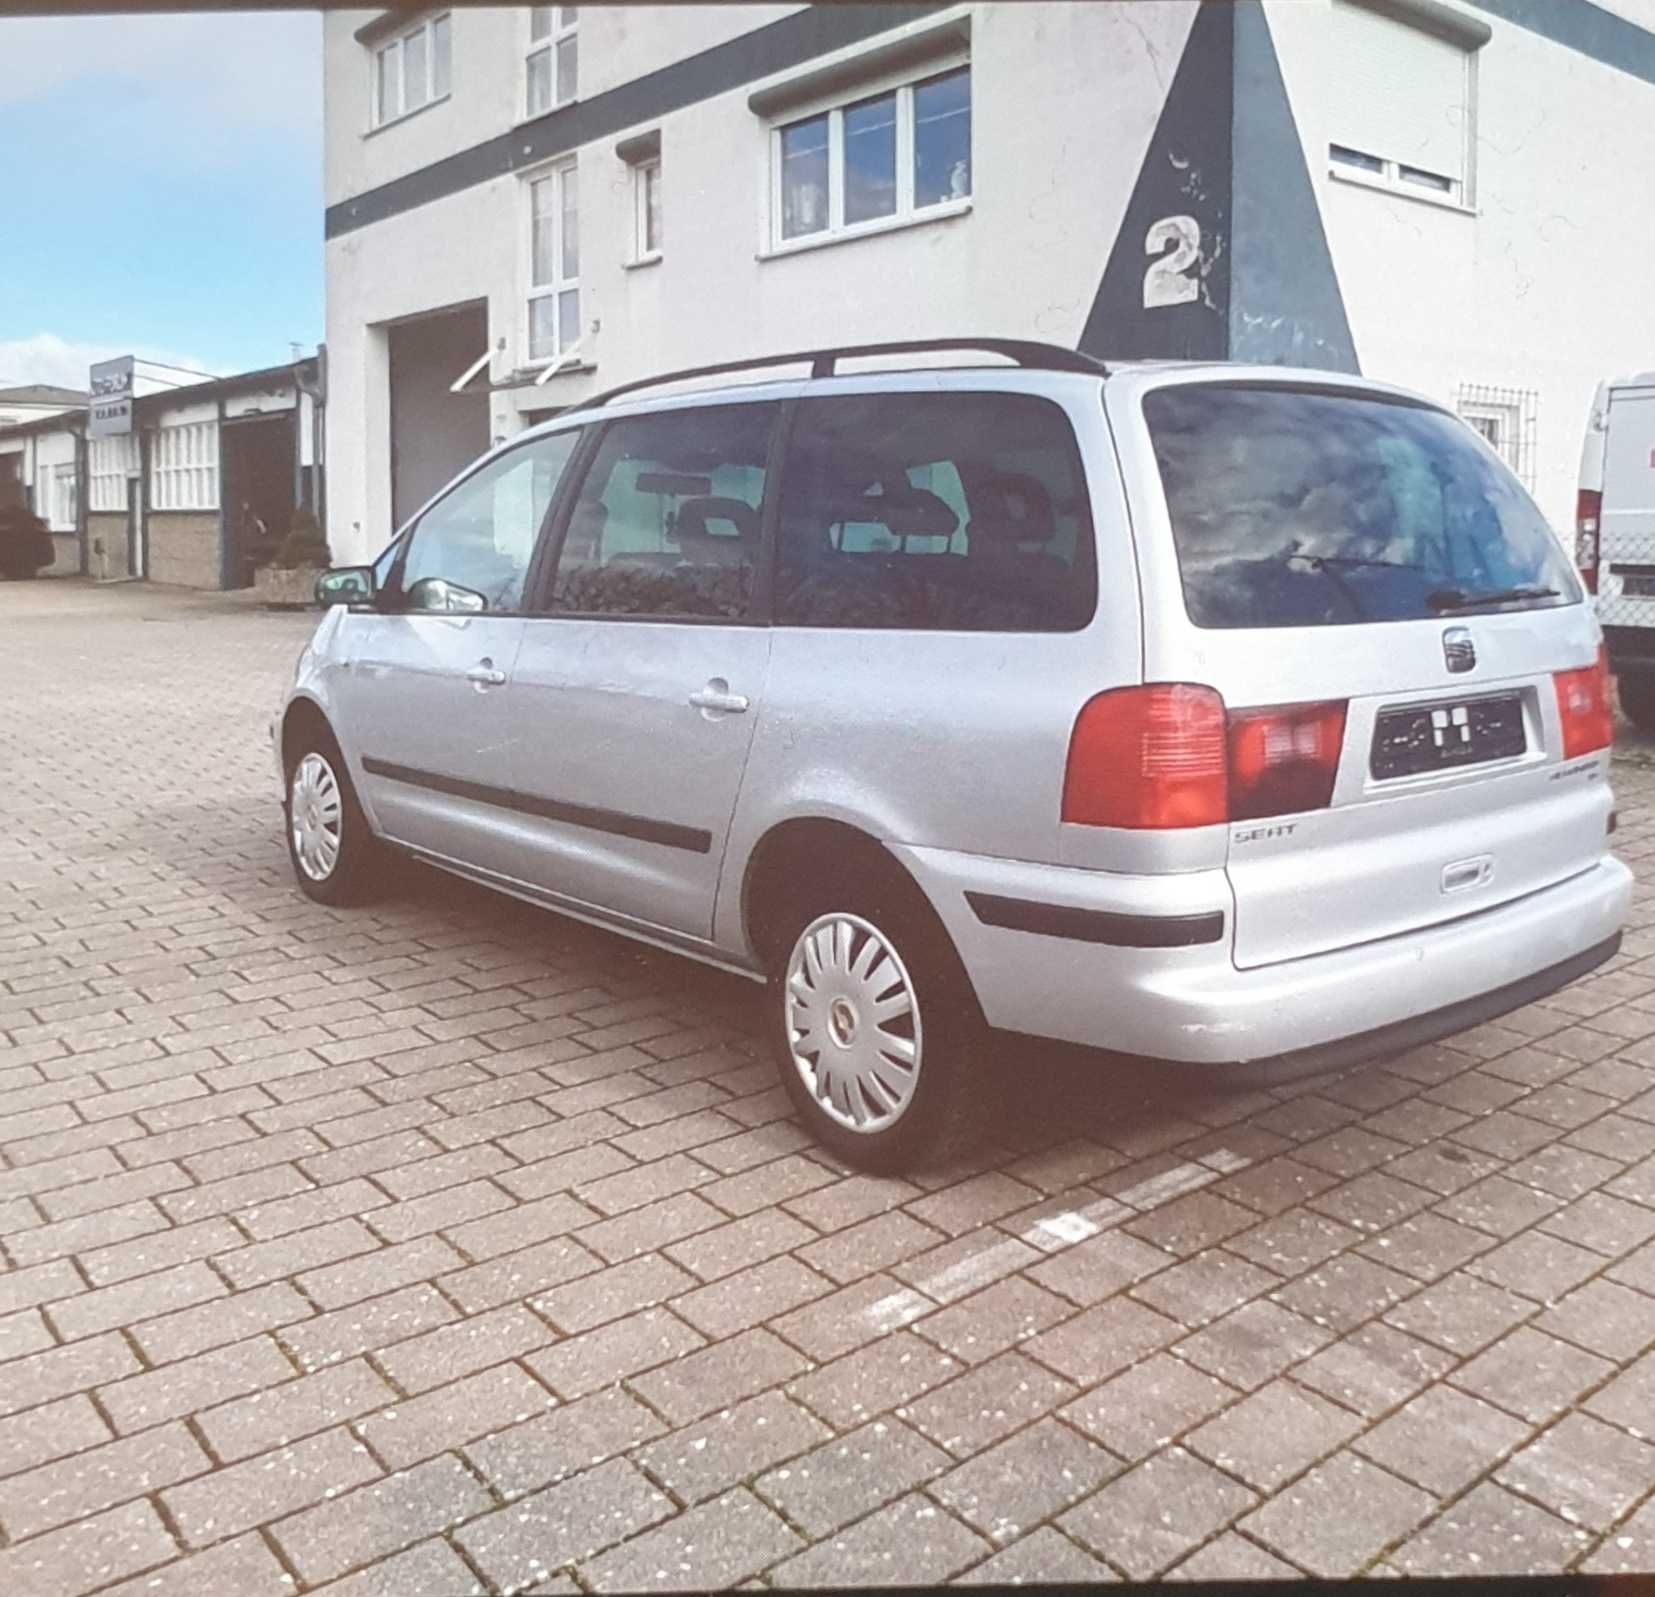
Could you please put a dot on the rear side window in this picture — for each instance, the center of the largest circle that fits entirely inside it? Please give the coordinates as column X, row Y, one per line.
column 666, row 522
column 935, row 511
column 1293, row 508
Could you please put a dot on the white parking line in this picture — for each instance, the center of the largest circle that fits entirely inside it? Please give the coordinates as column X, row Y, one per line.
column 1050, row 1234
column 1170, row 1184
column 896, row 1309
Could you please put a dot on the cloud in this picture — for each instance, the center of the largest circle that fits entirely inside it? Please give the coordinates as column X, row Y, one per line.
column 46, row 358
column 187, row 85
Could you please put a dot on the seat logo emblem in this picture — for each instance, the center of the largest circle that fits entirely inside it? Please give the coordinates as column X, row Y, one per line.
column 1458, row 650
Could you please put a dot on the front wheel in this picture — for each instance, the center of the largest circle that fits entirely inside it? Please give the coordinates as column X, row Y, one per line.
column 875, row 1029
column 328, row 840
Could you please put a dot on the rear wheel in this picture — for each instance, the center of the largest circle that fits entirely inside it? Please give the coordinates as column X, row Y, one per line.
column 328, row 840
column 874, row 1025
column 1637, row 696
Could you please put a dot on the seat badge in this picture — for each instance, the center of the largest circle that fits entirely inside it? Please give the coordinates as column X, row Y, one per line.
column 1458, row 651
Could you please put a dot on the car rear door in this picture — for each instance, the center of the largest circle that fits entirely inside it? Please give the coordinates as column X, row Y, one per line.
column 1392, row 628
column 642, row 672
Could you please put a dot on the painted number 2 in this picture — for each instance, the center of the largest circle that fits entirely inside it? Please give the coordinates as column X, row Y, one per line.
column 1167, row 282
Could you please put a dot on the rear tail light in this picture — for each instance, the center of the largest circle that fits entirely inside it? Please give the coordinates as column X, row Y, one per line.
column 1149, row 757
column 1583, row 708
column 1588, row 513
column 1284, row 760
column 1168, row 755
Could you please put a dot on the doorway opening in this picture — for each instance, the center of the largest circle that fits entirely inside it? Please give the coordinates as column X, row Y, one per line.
column 258, row 496
column 435, row 432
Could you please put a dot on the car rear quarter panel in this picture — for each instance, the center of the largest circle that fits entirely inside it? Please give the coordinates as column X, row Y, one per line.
column 949, row 740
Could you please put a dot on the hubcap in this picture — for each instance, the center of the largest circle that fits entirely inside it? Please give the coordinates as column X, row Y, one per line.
column 315, row 812
column 853, row 1022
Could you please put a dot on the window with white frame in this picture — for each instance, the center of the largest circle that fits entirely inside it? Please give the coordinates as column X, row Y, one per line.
column 646, row 209
column 875, row 160
column 411, row 71
column 1506, row 419
column 110, row 461
column 64, row 511
column 553, row 75
column 183, row 467
column 1401, row 116
column 554, row 264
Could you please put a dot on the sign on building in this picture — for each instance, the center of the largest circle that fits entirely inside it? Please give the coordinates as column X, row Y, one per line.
column 111, row 387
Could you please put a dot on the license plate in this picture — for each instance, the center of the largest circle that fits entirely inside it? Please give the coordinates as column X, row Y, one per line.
column 1443, row 737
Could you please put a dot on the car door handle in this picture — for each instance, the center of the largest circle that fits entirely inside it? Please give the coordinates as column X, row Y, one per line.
column 485, row 673
column 717, row 696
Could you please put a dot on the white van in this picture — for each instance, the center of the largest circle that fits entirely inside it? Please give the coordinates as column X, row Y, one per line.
column 1615, row 533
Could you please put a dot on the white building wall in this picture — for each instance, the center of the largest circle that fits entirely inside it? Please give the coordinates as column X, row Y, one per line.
column 1055, row 155
column 1542, row 286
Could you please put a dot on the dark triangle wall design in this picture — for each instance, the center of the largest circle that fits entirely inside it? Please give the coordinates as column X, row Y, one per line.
column 1285, row 304
column 1183, row 193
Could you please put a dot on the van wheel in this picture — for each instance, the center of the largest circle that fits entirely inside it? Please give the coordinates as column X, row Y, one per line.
column 875, row 1028
column 1637, row 696
column 333, row 852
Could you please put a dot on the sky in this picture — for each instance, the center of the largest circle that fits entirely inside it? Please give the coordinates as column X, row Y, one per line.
column 163, row 191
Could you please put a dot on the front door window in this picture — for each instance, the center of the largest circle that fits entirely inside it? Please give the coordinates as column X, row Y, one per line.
column 470, row 551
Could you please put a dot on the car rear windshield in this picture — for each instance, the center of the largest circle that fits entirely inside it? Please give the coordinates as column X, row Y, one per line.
column 1297, row 508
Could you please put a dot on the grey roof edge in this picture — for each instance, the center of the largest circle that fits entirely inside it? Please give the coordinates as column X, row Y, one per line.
column 74, row 419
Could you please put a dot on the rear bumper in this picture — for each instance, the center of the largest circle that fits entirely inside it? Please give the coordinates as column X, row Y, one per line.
column 1189, row 1002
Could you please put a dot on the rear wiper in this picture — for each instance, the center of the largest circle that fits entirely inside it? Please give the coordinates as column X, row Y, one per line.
column 1322, row 561
column 1459, row 599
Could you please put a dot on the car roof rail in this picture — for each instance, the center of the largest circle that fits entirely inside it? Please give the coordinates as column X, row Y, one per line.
column 1024, row 352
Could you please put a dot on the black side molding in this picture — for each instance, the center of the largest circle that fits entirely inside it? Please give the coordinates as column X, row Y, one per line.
column 1097, row 925
column 667, row 833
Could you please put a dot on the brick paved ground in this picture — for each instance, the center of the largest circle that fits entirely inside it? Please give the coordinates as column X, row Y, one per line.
column 446, row 1246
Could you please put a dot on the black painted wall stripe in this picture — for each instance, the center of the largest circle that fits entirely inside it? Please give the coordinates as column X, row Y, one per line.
column 791, row 41
column 667, row 833
column 1096, row 925
column 1587, row 29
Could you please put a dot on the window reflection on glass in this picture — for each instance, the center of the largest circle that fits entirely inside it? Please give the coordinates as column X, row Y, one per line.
column 804, row 150
column 413, row 69
column 1357, row 158
column 650, row 177
column 667, row 519
column 439, row 58
column 942, row 138
column 540, row 22
column 870, row 159
column 566, row 67
column 542, row 328
column 390, row 82
column 540, row 82
column 482, row 535
column 544, row 245
column 568, row 318
column 570, row 263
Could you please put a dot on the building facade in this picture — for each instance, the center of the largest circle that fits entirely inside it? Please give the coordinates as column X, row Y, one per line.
column 205, row 474
column 527, row 206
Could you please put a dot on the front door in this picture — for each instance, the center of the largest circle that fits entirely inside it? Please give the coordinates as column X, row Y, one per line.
column 428, row 677
column 641, row 677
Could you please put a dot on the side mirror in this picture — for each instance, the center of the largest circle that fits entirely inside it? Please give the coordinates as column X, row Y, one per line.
column 345, row 585
column 444, row 597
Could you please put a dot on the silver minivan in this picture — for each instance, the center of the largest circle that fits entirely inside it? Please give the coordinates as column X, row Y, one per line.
column 1206, row 713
